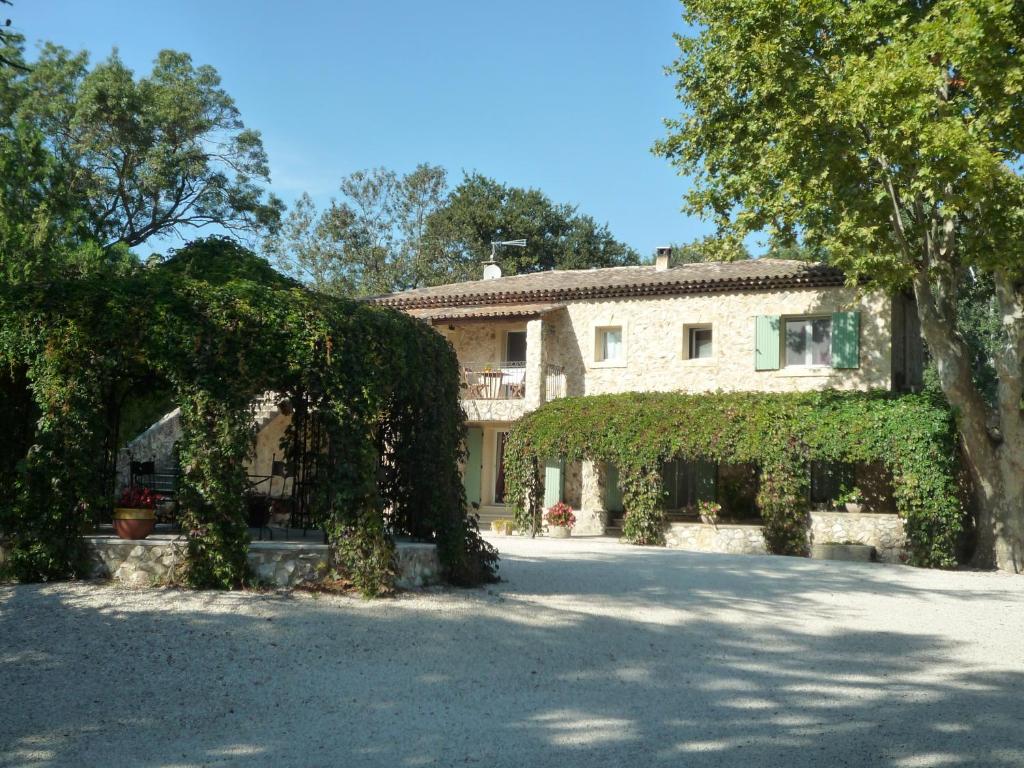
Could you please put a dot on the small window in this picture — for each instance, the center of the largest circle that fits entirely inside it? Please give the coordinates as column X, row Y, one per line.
column 609, row 345
column 809, row 341
column 698, row 344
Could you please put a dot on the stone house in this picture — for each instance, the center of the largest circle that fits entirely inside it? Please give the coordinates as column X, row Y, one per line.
column 762, row 325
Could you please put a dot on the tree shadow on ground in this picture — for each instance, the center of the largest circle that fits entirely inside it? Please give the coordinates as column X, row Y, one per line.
column 582, row 657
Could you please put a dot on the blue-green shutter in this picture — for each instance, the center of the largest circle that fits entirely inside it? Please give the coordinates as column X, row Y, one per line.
column 846, row 339
column 706, row 477
column 612, row 492
column 767, row 341
column 474, row 464
column 554, row 482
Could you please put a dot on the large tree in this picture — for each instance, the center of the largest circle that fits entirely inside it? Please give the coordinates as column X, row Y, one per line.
column 389, row 232
column 481, row 210
column 145, row 157
column 372, row 240
column 891, row 135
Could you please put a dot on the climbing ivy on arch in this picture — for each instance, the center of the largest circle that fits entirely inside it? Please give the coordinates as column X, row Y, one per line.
column 911, row 435
column 217, row 326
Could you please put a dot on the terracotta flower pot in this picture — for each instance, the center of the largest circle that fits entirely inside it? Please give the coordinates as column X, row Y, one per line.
column 559, row 532
column 134, row 523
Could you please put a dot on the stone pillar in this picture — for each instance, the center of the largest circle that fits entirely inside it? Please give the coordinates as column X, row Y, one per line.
column 536, row 367
column 592, row 517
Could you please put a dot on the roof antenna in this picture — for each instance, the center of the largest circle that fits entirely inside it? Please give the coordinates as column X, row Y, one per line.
column 491, row 269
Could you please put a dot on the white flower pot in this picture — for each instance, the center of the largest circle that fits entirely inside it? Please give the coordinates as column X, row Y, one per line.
column 559, row 532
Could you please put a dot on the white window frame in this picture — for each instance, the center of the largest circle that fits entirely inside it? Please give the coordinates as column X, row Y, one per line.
column 784, row 351
column 598, row 335
column 687, row 351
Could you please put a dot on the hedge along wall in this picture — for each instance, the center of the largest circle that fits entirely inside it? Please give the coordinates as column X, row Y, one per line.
column 912, row 435
column 216, row 326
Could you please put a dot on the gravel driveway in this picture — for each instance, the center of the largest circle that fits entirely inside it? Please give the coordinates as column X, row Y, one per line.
column 590, row 653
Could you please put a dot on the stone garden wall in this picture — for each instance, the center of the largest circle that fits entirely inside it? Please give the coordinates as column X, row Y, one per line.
column 156, row 560
column 729, row 539
column 885, row 532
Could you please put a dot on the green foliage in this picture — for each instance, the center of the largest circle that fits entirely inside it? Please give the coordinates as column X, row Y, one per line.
column 912, row 435
column 216, row 327
column 481, row 209
column 710, row 248
column 390, row 232
column 372, row 241
column 366, row 558
column 141, row 157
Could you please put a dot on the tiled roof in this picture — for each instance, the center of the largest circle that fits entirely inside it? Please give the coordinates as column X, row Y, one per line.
column 614, row 282
column 501, row 310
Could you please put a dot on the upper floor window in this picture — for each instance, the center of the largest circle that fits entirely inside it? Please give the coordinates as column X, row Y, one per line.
column 609, row 346
column 698, row 342
column 809, row 341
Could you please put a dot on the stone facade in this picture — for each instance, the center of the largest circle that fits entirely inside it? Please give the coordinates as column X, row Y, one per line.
column 145, row 563
column 158, row 560
column 885, row 532
column 287, row 563
column 418, row 565
column 654, row 338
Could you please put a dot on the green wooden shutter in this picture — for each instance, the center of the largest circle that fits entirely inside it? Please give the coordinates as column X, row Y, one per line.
column 766, row 343
column 474, row 464
column 554, row 482
column 846, row 339
column 706, row 476
column 612, row 492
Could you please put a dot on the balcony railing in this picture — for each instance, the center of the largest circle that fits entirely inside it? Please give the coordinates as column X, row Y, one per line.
column 494, row 381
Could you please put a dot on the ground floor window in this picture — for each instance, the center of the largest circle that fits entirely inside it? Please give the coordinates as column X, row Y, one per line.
column 687, row 482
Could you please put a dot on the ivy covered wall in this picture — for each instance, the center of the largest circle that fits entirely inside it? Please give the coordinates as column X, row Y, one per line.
column 913, row 436
column 214, row 326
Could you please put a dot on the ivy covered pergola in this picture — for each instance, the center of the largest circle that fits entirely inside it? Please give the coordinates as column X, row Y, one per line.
column 212, row 328
column 913, row 436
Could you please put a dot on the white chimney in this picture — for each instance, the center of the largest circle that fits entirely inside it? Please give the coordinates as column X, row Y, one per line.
column 491, row 270
column 661, row 259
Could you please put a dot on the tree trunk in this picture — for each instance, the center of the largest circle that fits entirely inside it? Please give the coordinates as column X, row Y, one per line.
column 1000, row 503
column 993, row 440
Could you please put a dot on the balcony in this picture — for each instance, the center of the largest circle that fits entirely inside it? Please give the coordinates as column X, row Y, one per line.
column 494, row 381
column 505, row 391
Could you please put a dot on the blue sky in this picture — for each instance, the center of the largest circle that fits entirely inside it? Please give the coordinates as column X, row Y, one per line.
column 563, row 95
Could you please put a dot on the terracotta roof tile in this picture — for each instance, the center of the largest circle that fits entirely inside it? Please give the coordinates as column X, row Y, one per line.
column 613, row 282
column 501, row 310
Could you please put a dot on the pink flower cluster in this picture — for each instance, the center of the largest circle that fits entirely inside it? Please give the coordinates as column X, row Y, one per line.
column 560, row 515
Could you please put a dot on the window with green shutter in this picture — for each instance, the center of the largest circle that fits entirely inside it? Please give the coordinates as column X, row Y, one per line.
column 554, row 482
column 846, row 340
column 474, row 464
column 766, row 343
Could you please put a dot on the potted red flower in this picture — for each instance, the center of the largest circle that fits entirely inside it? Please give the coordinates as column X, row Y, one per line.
column 135, row 512
column 560, row 520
